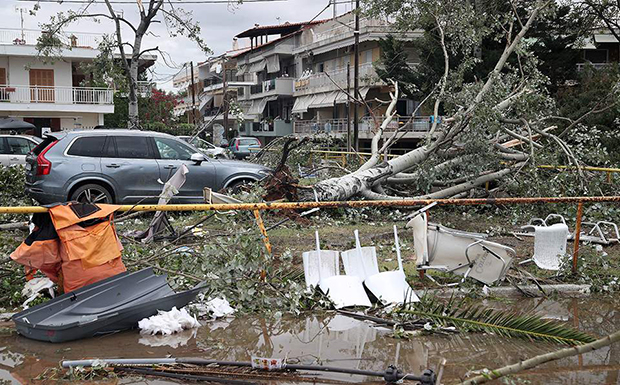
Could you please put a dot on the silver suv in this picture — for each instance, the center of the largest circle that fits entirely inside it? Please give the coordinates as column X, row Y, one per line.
column 125, row 166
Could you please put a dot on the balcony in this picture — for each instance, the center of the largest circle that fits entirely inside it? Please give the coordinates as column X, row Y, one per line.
column 415, row 127
column 60, row 99
column 596, row 66
column 12, row 36
column 278, row 86
column 275, row 128
column 324, row 81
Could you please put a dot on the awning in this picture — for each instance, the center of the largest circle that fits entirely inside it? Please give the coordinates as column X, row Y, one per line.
column 605, row 38
column 341, row 97
column 258, row 66
column 273, row 64
column 324, row 99
column 301, row 103
column 588, row 44
column 258, row 106
column 242, row 70
column 205, row 100
column 15, row 124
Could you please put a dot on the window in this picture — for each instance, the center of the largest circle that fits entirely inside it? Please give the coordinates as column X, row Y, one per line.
column 132, row 147
column 19, row 146
column 2, row 75
column 248, row 142
column 4, row 148
column 171, row 149
column 596, row 55
column 88, row 146
column 321, row 67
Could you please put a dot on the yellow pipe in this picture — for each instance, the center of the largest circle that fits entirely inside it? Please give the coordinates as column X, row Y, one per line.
column 351, row 204
column 588, row 168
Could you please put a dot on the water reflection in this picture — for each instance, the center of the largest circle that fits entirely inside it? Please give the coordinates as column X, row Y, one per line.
column 337, row 340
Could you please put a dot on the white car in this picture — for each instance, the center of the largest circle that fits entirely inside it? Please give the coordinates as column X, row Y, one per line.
column 13, row 148
column 207, row 148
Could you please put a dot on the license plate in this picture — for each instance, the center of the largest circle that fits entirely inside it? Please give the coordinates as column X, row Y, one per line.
column 28, row 167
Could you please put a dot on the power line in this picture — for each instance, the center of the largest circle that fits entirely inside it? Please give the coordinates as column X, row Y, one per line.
column 174, row 2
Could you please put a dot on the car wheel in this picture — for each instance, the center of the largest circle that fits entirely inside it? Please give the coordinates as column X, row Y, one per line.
column 240, row 185
column 92, row 193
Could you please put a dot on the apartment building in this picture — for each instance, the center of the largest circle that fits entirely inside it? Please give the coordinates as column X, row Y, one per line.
column 188, row 103
column 50, row 94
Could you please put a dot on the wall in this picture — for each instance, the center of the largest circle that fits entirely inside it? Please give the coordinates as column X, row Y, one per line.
column 18, row 75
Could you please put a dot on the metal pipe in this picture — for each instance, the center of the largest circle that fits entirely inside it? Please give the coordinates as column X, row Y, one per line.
column 333, row 204
column 577, row 235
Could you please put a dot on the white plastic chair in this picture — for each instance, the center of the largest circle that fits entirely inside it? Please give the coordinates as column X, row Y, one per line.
column 342, row 290
column 458, row 252
column 391, row 286
column 549, row 246
column 361, row 261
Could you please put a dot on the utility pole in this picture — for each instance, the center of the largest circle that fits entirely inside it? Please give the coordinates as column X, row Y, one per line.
column 225, row 99
column 193, row 93
column 356, row 76
column 348, row 109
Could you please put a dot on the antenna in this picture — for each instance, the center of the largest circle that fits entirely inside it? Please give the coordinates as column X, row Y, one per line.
column 21, row 15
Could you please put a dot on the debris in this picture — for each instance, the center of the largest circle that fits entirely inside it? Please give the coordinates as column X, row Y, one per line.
column 168, row 322
column 77, row 239
column 214, row 307
column 111, row 305
column 268, row 363
column 35, row 286
column 459, row 252
column 322, row 269
column 549, row 246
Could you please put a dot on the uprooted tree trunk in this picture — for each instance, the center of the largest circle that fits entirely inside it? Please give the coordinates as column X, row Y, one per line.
column 367, row 180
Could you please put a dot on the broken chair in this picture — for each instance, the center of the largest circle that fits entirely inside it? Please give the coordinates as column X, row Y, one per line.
column 458, row 252
column 549, row 246
column 342, row 290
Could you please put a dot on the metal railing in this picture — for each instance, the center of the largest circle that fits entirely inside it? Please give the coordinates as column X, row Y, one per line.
column 56, row 95
column 596, row 66
column 339, row 126
column 368, row 76
column 31, row 37
column 344, row 30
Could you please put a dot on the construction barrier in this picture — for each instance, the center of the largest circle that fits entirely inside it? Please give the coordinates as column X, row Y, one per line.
column 256, row 207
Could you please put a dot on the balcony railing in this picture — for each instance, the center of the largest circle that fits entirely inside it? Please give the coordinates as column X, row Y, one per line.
column 31, row 36
column 339, row 126
column 56, row 95
column 367, row 74
column 345, row 30
column 596, row 66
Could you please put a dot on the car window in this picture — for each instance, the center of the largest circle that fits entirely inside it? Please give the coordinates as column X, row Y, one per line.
column 88, row 146
column 4, row 148
column 247, row 142
column 132, row 147
column 172, row 149
column 19, row 146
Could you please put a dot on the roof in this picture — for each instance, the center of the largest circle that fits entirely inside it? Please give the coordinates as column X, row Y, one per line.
column 250, row 50
column 283, row 29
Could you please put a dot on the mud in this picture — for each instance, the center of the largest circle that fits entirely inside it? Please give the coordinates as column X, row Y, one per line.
column 335, row 340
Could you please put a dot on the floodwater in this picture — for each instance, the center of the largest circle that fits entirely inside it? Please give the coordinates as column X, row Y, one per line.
column 336, row 340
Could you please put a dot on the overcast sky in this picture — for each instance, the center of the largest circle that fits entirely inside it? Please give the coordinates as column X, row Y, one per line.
column 219, row 23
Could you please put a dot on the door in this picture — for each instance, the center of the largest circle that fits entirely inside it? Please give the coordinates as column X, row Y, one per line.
column 4, row 95
column 129, row 163
column 171, row 154
column 19, row 148
column 42, row 82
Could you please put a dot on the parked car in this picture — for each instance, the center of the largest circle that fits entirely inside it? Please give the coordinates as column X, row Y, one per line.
column 205, row 147
column 243, row 146
column 14, row 148
column 125, row 166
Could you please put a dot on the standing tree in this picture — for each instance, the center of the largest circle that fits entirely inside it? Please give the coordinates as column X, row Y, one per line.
column 130, row 49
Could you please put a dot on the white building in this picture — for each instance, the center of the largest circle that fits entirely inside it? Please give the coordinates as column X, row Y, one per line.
column 50, row 94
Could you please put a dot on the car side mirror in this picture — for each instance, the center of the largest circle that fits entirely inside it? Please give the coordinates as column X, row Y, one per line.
column 197, row 158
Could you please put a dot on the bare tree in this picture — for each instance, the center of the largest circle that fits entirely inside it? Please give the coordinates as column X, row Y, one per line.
column 178, row 22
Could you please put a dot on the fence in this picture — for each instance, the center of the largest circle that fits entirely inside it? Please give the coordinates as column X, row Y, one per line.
column 339, row 126
column 57, row 95
column 31, row 37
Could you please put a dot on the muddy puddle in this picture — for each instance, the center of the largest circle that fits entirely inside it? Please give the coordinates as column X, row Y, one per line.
column 336, row 340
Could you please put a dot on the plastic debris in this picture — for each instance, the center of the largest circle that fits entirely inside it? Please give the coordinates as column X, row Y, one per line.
column 268, row 363
column 168, row 322
column 214, row 308
column 35, row 286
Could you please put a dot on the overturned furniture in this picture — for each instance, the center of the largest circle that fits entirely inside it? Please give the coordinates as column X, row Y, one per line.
column 322, row 270
column 602, row 232
column 458, row 252
column 111, row 305
column 389, row 287
column 549, row 246
column 74, row 244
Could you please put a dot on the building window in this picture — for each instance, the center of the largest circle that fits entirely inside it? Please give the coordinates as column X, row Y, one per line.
column 2, row 75
column 596, row 55
column 45, row 80
column 321, row 67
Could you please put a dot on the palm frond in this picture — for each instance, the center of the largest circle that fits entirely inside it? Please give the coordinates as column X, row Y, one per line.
column 500, row 322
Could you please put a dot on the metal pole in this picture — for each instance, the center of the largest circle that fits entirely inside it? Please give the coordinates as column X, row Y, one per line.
column 577, row 234
column 348, row 109
column 225, row 100
column 356, row 75
column 191, row 63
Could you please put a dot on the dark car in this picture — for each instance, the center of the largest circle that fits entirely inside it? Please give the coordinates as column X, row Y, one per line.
column 125, row 166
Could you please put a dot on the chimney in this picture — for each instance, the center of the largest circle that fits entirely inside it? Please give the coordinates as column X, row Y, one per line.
column 235, row 45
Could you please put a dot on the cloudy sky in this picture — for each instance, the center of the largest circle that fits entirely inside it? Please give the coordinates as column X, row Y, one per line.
column 219, row 23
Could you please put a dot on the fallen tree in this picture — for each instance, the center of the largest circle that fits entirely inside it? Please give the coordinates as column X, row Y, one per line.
column 490, row 129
